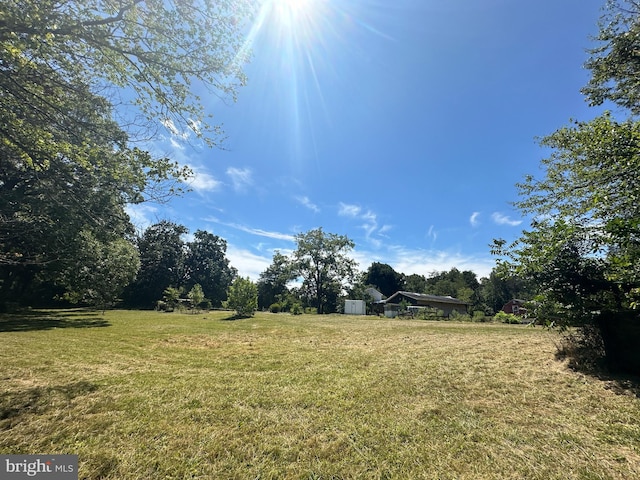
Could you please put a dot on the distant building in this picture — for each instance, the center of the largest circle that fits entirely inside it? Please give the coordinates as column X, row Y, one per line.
column 355, row 307
column 446, row 305
column 515, row 307
column 375, row 294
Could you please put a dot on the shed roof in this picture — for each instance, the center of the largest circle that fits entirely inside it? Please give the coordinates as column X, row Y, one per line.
column 423, row 297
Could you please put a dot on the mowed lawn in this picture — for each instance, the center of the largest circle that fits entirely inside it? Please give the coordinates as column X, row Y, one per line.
column 146, row 395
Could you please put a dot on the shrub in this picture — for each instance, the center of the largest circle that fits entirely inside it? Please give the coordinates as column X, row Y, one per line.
column 479, row 316
column 459, row 317
column 171, row 297
column 506, row 318
column 275, row 308
column 196, row 296
column 296, row 309
column 311, row 310
column 243, row 297
column 162, row 306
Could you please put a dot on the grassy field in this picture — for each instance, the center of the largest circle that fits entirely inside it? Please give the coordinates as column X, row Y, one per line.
column 143, row 395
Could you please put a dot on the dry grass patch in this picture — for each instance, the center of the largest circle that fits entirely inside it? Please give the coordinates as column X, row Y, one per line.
column 194, row 396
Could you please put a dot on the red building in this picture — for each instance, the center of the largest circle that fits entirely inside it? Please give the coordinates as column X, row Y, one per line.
column 516, row 307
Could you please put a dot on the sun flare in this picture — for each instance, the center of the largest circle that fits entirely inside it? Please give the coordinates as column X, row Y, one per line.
column 293, row 13
column 294, row 6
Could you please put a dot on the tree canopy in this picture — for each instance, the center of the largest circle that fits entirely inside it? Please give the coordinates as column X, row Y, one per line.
column 166, row 260
column 384, row 278
column 82, row 83
column 614, row 66
column 321, row 260
column 162, row 256
column 272, row 284
column 206, row 263
column 158, row 50
column 583, row 248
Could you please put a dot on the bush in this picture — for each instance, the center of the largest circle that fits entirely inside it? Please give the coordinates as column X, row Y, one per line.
column 503, row 317
column 459, row 317
column 479, row 316
column 196, row 296
column 275, row 308
column 243, row 297
column 171, row 296
column 311, row 310
column 296, row 309
column 163, row 306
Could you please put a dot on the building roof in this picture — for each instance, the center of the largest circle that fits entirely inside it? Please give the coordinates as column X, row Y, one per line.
column 423, row 297
column 375, row 294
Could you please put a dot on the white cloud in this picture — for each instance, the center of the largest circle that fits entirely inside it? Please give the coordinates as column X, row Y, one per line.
column 474, row 219
column 142, row 215
column 346, row 210
column 264, row 233
column 203, row 182
column 240, row 177
column 370, row 222
column 246, row 262
column 404, row 260
column 502, row 219
column 254, row 231
column 384, row 229
column 424, row 262
column 181, row 134
column 432, row 234
column 175, row 145
column 169, row 125
column 304, row 201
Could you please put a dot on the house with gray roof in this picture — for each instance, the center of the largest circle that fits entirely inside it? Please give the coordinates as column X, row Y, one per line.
column 447, row 304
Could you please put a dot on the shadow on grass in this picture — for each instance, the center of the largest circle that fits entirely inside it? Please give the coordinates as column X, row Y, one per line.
column 49, row 319
column 38, row 400
column 585, row 354
column 233, row 318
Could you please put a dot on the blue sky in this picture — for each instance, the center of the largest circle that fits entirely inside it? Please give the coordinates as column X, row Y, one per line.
column 404, row 125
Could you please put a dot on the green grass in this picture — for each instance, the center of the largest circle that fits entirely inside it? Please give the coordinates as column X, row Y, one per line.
column 144, row 395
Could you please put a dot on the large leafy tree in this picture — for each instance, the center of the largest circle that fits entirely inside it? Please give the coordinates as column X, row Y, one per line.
column 79, row 82
column 588, row 202
column 415, row 283
column 272, row 284
column 583, row 248
column 206, row 264
column 166, row 260
column 614, row 65
column 162, row 263
column 322, row 261
column 102, row 271
column 384, row 278
column 49, row 197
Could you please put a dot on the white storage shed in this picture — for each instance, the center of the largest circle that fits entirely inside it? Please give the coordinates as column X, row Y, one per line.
column 355, row 307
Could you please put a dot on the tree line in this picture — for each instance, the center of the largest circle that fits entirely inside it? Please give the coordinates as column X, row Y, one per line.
column 161, row 265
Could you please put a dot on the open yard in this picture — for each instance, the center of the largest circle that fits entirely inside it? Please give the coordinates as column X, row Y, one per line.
column 144, row 395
